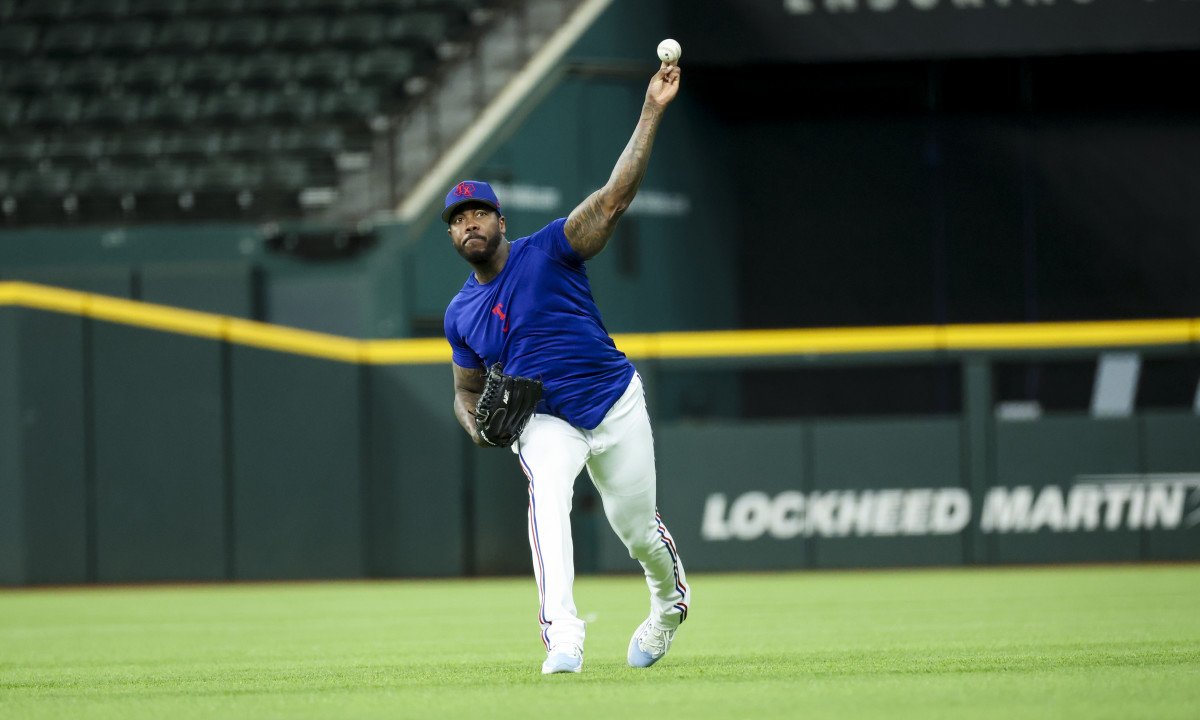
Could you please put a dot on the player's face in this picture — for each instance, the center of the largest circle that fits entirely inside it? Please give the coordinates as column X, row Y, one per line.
column 476, row 231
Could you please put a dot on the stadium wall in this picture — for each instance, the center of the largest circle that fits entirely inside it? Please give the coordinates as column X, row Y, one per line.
column 143, row 443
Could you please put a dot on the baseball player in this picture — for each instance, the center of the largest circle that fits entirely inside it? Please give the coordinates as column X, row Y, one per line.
column 528, row 306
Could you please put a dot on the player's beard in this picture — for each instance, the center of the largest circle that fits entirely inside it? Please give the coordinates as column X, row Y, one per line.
column 474, row 253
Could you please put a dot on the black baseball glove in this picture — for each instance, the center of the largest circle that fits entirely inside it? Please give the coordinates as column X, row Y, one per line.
column 505, row 406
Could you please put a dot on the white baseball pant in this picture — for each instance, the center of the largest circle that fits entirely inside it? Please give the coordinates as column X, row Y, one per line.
column 619, row 455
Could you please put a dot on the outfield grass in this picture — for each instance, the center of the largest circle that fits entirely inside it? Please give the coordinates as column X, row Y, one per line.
column 1078, row 642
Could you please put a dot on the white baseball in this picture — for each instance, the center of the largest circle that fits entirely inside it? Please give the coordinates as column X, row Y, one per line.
column 669, row 51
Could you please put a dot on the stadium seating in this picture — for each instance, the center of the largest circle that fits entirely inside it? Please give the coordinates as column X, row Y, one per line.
column 18, row 41
column 140, row 110
column 93, row 77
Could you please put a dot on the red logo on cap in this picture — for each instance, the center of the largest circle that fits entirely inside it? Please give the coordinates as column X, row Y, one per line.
column 464, row 190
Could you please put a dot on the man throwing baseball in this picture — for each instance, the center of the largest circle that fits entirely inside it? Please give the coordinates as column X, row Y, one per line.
column 526, row 322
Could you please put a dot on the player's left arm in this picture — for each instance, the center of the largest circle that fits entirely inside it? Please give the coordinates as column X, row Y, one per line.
column 591, row 224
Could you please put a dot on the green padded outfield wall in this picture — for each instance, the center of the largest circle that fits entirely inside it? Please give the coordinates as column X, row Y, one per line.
column 297, row 466
column 418, row 512
column 1055, row 454
column 899, row 470
column 158, row 444
column 51, row 470
column 1170, row 443
column 158, row 433
column 225, row 288
column 133, row 455
column 12, row 511
column 48, row 469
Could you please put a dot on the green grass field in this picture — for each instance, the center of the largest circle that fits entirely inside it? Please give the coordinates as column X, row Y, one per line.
column 1062, row 642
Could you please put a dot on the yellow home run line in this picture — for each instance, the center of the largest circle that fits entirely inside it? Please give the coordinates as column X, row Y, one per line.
column 668, row 345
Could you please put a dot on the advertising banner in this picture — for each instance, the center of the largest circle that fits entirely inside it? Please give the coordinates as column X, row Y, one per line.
column 871, row 493
column 786, row 31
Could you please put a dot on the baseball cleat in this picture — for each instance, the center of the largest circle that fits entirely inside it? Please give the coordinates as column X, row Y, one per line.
column 648, row 644
column 563, row 658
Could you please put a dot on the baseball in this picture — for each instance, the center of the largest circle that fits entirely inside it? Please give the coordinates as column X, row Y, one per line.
column 669, row 51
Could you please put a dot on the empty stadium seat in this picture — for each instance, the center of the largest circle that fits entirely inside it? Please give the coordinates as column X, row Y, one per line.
column 294, row 107
column 53, row 110
column 164, row 191
column 17, row 41
column 31, row 196
column 240, row 34
column 171, row 109
column 114, row 111
column 150, row 74
column 36, row 77
column 131, row 38
column 350, row 107
column 225, row 187
column 418, row 29
column 356, row 31
column 95, row 181
column 287, row 173
column 69, row 39
column 49, row 181
column 166, row 178
column 183, row 36
column 103, row 194
column 136, row 148
column 336, row 8
column 20, row 150
column 99, row 10
column 309, row 141
column 207, row 72
column 16, row 181
column 75, row 149
column 190, row 145
column 157, row 10
column 298, row 34
column 228, row 108
column 227, row 175
column 269, row 70
column 215, row 8
column 249, row 142
column 279, row 7
column 43, row 11
column 90, row 75
column 387, row 66
column 327, row 68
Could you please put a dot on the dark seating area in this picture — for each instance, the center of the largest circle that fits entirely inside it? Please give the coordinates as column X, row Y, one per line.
column 160, row 110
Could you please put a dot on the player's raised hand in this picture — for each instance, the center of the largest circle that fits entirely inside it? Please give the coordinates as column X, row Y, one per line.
column 664, row 85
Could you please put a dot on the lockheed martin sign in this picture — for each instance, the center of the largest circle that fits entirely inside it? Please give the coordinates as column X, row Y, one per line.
column 1094, row 504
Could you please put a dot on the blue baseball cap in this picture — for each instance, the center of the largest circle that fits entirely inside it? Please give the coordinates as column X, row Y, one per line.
column 469, row 191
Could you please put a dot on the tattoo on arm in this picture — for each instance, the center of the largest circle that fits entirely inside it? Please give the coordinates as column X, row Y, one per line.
column 587, row 228
column 591, row 224
column 468, row 384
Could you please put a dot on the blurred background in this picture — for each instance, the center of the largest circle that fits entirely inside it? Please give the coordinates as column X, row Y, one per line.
column 829, row 164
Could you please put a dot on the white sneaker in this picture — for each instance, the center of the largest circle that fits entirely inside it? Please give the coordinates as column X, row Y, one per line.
column 564, row 657
column 648, row 644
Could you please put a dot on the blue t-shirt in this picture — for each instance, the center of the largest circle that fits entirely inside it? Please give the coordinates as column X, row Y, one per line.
column 538, row 318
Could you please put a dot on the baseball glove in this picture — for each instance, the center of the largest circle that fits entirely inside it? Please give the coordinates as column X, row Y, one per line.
column 505, row 406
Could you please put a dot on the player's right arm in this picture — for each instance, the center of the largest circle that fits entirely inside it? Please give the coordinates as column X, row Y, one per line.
column 591, row 224
column 468, row 384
